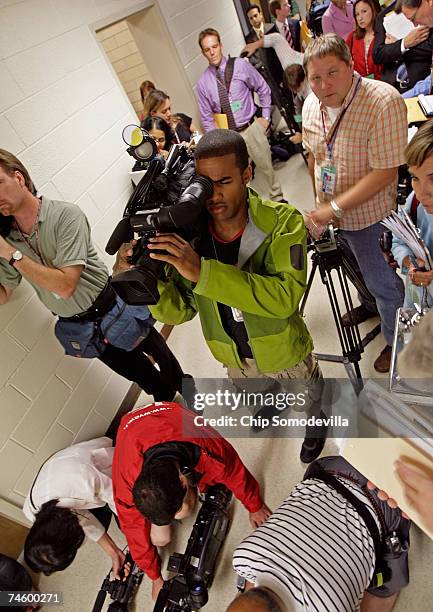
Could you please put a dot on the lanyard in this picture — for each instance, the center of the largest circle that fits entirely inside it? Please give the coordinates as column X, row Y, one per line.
column 330, row 143
column 34, row 230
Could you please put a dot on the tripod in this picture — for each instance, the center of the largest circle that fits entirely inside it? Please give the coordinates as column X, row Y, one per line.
column 330, row 258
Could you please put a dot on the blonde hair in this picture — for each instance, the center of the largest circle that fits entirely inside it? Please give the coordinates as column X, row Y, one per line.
column 421, row 145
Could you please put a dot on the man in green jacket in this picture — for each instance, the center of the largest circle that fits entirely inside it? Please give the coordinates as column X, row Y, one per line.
column 245, row 279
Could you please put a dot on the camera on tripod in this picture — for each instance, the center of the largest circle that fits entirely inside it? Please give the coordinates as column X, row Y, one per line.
column 327, row 241
column 194, row 570
column 170, row 197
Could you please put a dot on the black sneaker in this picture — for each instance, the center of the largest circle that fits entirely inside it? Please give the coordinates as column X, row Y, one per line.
column 314, row 441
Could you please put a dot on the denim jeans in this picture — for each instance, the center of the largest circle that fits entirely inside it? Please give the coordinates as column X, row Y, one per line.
column 381, row 280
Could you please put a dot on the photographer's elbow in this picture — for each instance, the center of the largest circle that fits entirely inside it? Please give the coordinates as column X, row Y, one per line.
column 67, row 292
column 5, row 294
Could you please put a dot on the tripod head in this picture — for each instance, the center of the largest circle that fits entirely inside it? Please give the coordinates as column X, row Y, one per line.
column 327, row 241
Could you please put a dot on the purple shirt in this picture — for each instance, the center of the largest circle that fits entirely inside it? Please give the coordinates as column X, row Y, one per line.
column 336, row 21
column 245, row 81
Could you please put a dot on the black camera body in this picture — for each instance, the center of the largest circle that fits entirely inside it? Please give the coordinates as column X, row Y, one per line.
column 169, row 198
column 5, row 225
column 121, row 591
column 194, row 570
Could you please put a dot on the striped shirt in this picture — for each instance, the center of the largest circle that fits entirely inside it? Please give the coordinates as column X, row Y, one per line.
column 371, row 135
column 315, row 551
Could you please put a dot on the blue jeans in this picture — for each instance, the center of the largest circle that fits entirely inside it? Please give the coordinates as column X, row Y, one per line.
column 381, row 280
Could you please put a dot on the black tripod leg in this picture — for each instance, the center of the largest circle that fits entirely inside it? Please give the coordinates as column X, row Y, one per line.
column 308, row 288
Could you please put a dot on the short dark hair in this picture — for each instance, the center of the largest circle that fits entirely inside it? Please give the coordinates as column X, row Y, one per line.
column 208, row 32
column 294, row 76
column 250, row 7
column 409, row 3
column 10, row 164
column 53, row 540
column 274, row 6
column 13, row 577
column 158, row 492
column 218, row 143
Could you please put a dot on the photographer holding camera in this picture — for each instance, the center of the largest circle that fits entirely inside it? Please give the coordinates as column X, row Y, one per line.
column 48, row 243
column 245, row 278
column 160, row 459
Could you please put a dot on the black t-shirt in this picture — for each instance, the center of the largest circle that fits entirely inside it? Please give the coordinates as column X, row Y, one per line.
column 227, row 252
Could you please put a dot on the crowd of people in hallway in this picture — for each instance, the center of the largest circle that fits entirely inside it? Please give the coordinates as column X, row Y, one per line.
column 339, row 99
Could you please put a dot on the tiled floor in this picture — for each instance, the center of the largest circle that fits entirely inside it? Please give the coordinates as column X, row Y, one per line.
column 274, row 462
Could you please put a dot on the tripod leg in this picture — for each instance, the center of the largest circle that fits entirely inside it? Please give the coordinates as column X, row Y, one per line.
column 308, row 288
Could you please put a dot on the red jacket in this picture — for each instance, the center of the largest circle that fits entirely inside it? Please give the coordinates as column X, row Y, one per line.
column 165, row 422
column 357, row 49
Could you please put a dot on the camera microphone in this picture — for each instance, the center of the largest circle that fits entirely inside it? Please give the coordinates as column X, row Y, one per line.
column 121, row 234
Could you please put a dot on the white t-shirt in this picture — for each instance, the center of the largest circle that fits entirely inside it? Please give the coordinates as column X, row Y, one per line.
column 315, row 551
column 333, row 113
column 80, row 478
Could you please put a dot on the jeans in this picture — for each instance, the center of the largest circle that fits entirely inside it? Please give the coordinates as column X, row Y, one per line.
column 381, row 280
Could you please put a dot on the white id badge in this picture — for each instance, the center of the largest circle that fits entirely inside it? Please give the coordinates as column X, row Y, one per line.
column 328, row 177
column 237, row 315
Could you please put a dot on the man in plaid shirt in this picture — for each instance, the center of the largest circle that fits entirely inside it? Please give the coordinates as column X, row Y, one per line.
column 355, row 130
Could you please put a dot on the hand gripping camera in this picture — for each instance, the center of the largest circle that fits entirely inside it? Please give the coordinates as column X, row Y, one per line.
column 194, row 570
column 169, row 198
column 121, row 591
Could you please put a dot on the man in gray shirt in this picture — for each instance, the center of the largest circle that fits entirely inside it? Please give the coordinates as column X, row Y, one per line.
column 48, row 243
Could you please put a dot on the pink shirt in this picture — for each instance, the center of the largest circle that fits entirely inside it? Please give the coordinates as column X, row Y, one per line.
column 336, row 21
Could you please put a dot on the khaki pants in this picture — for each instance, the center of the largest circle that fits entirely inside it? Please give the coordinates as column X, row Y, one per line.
column 260, row 152
column 307, row 370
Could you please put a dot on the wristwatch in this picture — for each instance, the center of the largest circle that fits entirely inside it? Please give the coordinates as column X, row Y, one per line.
column 336, row 210
column 16, row 256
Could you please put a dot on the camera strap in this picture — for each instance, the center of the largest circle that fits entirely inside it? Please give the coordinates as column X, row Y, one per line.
column 378, row 578
column 228, row 72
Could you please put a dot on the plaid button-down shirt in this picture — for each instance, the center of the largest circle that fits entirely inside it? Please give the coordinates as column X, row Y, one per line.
column 371, row 135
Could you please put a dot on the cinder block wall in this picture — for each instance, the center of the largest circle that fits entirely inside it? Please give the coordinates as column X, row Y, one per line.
column 62, row 111
column 126, row 60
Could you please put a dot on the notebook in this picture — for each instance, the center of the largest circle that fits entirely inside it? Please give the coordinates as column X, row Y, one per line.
column 407, row 431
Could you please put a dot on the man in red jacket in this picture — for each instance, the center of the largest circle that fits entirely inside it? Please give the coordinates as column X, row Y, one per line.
column 159, row 458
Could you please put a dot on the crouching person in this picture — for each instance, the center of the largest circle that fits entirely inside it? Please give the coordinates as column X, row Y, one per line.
column 332, row 546
column 70, row 498
column 157, row 470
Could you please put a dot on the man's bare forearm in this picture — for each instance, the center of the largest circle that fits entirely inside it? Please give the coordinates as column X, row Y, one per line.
column 4, row 294
column 366, row 188
column 53, row 279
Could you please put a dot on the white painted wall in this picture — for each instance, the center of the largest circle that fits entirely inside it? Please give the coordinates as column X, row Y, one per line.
column 61, row 112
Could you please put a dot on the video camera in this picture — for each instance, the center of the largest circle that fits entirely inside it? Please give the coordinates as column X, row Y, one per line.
column 121, row 591
column 5, row 225
column 188, row 590
column 169, row 197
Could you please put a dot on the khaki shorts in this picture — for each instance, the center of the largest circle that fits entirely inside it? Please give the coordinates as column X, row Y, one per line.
column 307, row 370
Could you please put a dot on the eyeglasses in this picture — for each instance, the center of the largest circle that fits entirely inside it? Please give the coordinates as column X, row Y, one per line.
column 159, row 140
